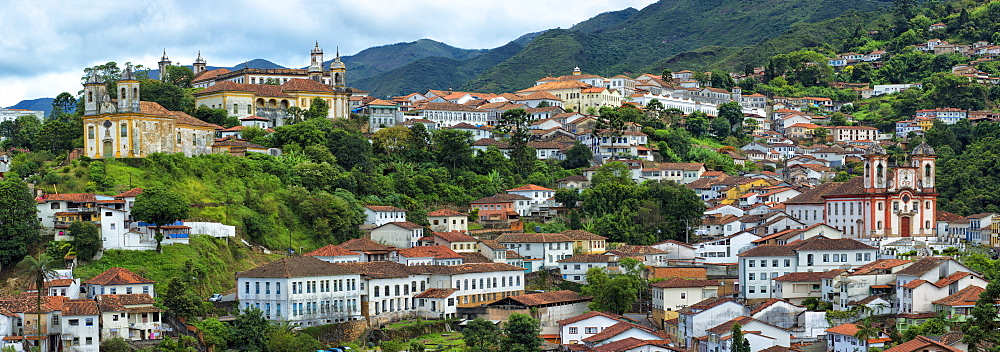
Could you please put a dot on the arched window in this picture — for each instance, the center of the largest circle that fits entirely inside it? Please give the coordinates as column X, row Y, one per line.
column 135, row 93
column 879, row 171
column 178, row 137
column 376, row 291
column 124, row 129
column 387, row 290
column 123, row 93
column 927, row 170
column 90, row 97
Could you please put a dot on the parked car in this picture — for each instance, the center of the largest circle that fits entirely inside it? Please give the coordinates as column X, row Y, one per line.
column 215, row 298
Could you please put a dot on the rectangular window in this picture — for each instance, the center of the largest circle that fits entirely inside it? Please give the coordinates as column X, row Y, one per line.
column 751, row 276
column 788, row 263
column 90, row 322
column 590, row 330
column 763, row 263
column 752, row 263
column 277, row 288
column 256, row 288
column 573, row 330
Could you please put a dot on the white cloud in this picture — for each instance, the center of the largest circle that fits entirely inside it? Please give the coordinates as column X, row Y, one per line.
column 49, row 42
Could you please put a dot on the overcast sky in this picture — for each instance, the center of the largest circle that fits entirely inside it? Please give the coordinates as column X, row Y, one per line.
column 46, row 43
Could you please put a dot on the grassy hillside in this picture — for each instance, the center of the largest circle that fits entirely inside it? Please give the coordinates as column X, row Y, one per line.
column 605, row 21
column 214, row 263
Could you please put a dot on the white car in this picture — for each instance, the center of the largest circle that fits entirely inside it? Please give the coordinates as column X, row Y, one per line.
column 215, row 298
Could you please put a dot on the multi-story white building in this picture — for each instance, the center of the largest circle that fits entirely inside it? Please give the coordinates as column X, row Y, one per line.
column 302, row 290
column 450, row 114
column 575, row 268
column 379, row 215
column 119, row 281
column 841, row 338
column 760, row 265
column 724, row 250
column 80, row 325
column 13, row 114
column 548, row 247
column 402, row 234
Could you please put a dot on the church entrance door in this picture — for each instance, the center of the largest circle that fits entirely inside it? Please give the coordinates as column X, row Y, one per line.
column 109, row 149
column 904, row 226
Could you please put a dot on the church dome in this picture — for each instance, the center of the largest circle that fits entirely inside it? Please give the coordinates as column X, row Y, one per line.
column 923, row 149
column 95, row 78
column 128, row 75
column 876, row 150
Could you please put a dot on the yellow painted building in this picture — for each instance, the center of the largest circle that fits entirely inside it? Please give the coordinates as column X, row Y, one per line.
column 577, row 95
column 127, row 127
column 587, row 243
column 272, row 101
column 734, row 193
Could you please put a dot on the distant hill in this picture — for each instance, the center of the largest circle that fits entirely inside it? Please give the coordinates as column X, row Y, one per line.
column 43, row 104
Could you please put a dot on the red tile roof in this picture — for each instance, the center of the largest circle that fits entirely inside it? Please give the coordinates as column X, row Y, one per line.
column 530, row 187
column 365, row 245
column 964, row 297
column 581, row 235
column 455, row 236
column 533, row 238
column 680, row 282
column 437, row 293
column 538, row 299
column 436, row 252
column 383, row 208
column 330, row 251
column 446, row 212
column 921, row 343
column 118, row 276
column 129, row 193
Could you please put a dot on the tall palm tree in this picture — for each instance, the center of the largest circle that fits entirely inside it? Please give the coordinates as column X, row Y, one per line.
column 40, row 270
column 867, row 331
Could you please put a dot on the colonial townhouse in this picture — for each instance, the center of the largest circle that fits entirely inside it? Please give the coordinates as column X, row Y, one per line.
column 371, row 251
column 719, row 225
column 335, row 254
column 683, row 173
column 302, row 290
column 695, row 320
column 791, row 235
column 130, row 317
column 760, row 265
column 450, row 114
column 477, row 132
column 118, row 281
column 872, row 279
column 548, row 247
column 542, row 199
column 477, row 284
column 947, row 115
column 575, row 268
column 607, row 144
column 930, row 279
column 958, row 306
column 614, row 334
column 501, row 207
column 760, row 335
column 796, row 287
column 381, row 114
column 493, row 251
column 587, row 243
column 846, row 134
column 677, row 250
column 671, row 295
column 573, row 330
column 403, row 234
column 650, row 256
column 457, row 241
column 841, row 338
column 447, row 220
column 725, row 249
column 427, row 255
column 378, row 215
column 80, row 325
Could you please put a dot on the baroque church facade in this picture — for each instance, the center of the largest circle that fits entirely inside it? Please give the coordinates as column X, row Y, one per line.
column 127, row 127
column 268, row 93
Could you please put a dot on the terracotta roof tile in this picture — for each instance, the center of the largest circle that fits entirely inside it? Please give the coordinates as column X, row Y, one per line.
column 537, row 299
column 808, row 276
column 680, row 282
column 923, row 265
column 330, row 250
column 589, row 258
column 474, row 257
column 80, row 307
column 118, row 276
column 455, row 236
column 589, row 315
column 384, row 208
column 881, row 264
column 920, row 343
column 129, row 193
column 533, row 238
column 437, row 293
column 365, row 245
column 436, row 252
column 964, row 297
column 530, row 187
column 288, row 267
column 499, row 198
column 726, row 327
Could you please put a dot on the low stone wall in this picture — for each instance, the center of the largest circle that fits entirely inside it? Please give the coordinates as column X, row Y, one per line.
column 338, row 333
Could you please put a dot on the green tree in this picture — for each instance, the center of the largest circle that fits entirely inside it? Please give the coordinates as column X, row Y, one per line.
column 740, row 343
column 351, row 148
column 420, row 144
column 611, row 123
column 86, row 239
column 37, row 271
column 63, row 107
column 217, row 116
column 391, row 140
column 520, row 334
column 514, row 123
column 821, row 133
column 733, row 113
column 867, row 331
column 160, row 207
column 318, row 108
column 169, row 96
column 250, row 331
column 180, row 76
column 481, row 335
column 578, row 156
column 568, row 197
column 217, row 334
column 116, row 344
column 612, row 294
column 453, row 148
column 287, row 341
column 612, row 172
column 19, row 227
column 697, row 124
column 181, row 300
column 60, row 135
column 183, row 343
column 720, row 127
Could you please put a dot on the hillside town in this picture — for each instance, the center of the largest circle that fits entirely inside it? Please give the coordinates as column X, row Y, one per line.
column 282, row 209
